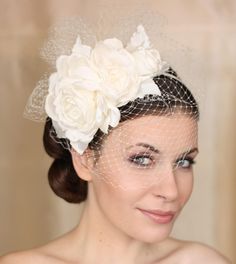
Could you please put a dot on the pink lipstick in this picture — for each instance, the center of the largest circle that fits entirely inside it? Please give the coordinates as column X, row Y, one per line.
column 158, row 216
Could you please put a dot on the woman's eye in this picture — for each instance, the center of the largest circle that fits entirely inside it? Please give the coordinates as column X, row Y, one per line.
column 185, row 163
column 141, row 160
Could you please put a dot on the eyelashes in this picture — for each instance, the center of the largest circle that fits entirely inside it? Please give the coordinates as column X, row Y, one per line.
column 142, row 160
column 185, row 163
column 145, row 160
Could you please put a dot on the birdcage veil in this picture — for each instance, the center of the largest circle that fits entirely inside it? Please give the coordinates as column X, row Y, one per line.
column 112, row 85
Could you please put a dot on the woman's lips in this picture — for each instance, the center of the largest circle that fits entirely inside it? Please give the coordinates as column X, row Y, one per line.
column 160, row 217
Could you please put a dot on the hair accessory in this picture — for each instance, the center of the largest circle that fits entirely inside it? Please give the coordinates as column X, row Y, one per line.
column 91, row 83
column 111, row 75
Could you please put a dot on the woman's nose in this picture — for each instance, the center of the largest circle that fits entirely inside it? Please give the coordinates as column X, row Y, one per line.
column 166, row 185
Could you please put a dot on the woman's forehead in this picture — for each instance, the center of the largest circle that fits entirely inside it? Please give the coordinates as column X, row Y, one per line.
column 166, row 126
column 166, row 132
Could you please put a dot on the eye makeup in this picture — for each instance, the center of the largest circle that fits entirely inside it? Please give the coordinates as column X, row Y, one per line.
column 142, row 159
column 184, row 163
column 148, row 158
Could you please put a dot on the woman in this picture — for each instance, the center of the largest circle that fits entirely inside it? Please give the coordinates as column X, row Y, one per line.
column 126, row 152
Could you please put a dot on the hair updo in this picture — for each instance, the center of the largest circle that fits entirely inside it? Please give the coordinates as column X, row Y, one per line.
column 62, row 176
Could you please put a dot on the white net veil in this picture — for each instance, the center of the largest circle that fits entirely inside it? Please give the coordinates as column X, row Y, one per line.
column 122, row 94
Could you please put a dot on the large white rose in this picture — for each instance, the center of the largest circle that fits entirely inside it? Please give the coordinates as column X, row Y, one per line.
column 78, row 69
column 117, row 70
column 77, row 112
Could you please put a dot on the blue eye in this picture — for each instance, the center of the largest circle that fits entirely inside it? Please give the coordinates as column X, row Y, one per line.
column 141, row 160
column 185, row 163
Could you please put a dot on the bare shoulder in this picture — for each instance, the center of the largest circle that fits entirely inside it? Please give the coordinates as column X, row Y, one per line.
column 43, row 254
column 188, row 252
column 54, row 252
column 30, row 256
column 195, row 252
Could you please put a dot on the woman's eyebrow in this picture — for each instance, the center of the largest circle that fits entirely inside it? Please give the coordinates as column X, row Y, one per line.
column 152, row 148
column 146, row 145
column 184, row 154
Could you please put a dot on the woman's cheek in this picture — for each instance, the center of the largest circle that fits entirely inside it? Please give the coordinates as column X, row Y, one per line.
column 185, row 185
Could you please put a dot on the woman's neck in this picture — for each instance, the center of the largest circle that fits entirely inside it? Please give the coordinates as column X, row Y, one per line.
column 97, row 239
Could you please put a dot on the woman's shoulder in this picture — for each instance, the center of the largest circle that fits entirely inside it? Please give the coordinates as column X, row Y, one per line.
column 195, row 252
column 52, row 252
column 36, row 255
column 177, row 251
column 29, row 256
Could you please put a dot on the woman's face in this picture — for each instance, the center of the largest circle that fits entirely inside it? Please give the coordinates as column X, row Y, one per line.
column 144, row 175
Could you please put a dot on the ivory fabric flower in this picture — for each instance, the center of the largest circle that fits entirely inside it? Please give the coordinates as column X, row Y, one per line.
column 90, row 84
column 148, row 60
column 117, row 70
column 78, row 112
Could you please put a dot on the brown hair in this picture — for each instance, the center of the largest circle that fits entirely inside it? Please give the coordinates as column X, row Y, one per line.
column 62, row 177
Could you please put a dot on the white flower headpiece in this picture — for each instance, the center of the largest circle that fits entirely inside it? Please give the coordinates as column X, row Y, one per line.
column 90, row 84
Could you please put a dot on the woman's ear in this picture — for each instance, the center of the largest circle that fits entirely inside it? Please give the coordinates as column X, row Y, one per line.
column 82, row 164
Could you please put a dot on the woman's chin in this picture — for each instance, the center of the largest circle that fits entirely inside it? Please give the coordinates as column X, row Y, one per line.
column 154, row 236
